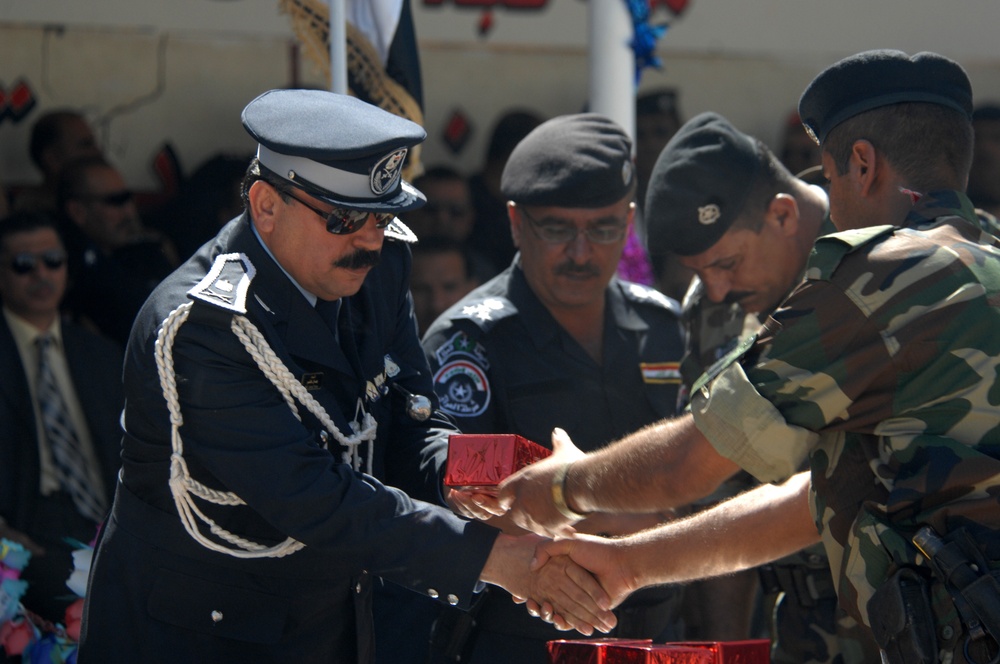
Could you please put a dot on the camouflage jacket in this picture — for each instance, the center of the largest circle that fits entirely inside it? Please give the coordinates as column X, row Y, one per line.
column 881, row 370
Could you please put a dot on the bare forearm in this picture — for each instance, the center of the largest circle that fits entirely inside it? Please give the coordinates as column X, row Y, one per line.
column 753, row 528
column 664, row 465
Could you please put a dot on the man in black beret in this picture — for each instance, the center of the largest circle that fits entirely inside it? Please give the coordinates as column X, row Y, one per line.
column 275, row 388
column 726, row 207
column 558, row 340
column 878, row 370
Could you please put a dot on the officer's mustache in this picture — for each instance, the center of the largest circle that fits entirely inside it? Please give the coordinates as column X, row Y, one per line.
column 571, row 269
column 359, row 259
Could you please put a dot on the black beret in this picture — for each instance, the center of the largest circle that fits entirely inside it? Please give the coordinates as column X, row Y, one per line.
column 574, row 161
column 699, row 185
column 873, row 79
column 335, row 147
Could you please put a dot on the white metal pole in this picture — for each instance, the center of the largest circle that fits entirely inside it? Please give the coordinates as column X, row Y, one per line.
column 338, row 47
column 612, row 62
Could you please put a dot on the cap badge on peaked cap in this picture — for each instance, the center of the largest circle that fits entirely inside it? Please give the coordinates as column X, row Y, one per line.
column 387, row 171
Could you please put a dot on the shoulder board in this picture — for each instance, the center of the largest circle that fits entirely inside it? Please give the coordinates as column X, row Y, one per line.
column 830, row 250
column 397, row 230
column 485, row 312
column 226, row 284
column 646, row 295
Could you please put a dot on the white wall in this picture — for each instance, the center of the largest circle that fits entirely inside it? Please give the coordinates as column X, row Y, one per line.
column 179, row 71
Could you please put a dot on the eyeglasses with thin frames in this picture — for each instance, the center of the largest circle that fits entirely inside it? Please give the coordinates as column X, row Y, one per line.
column 343, row 221
column 561, row 233
column 25, row 262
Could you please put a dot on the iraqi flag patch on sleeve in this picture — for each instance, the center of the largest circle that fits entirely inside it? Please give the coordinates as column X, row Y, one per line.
column 661, row 373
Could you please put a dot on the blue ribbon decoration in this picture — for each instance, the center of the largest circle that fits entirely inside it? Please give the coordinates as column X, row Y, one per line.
column 644, row 37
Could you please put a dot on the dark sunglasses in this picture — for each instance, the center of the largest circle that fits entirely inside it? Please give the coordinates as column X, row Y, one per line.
column 114, row 199
column 24, row 263
column 342, row 221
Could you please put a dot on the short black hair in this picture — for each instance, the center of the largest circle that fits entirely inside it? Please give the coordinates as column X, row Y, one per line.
column 924, row 142
column 257, row 171
column 47, row 131
column 26, row 221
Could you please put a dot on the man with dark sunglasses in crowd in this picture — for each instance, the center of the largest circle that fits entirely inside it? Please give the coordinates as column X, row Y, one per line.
column 42, row 500
column 115, row 260
column 558, row 340
column 276, row 395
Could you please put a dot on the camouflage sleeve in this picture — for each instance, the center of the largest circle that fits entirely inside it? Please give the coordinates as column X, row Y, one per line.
column 810, row 362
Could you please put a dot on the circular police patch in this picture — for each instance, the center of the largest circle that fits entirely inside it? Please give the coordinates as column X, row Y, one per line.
column 462, row 388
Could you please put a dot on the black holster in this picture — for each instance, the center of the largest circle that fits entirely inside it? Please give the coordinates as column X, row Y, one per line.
column 963, row 569
column 902, row 619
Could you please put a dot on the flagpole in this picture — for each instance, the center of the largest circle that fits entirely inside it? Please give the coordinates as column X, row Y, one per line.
column 612, row 62
column 338, row 47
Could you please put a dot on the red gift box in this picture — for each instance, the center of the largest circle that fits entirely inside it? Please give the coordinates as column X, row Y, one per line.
column 752, row 651
column 478, row 462
column 587, row 651
column 625, row 651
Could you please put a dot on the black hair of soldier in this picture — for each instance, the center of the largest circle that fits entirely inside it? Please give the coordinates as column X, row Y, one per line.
column 772, row 178
column 927, row 144
column 440, row 244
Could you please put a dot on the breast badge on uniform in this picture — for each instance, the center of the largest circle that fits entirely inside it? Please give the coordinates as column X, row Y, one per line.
column 463, row 389
column 377, row 387
column 461, row 343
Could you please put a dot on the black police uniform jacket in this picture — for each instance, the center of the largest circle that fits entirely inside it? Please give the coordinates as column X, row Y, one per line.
column 502, row 364
column 155, row 594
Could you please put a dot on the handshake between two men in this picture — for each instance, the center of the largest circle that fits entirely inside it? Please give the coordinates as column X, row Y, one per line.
column 617, row 541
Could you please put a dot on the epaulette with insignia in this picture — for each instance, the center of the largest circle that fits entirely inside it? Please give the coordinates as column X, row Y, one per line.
column 486, row 312
column 226, row 284
column 647, row 295
column 397, row 230
column 830, row 250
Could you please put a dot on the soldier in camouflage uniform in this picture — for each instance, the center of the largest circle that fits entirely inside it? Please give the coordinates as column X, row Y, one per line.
column 880, row 369
column 747, row 260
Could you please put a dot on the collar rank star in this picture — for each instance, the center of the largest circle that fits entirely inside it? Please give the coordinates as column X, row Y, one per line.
column 484, row 309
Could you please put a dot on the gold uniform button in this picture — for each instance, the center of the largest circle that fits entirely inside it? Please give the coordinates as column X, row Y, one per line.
column 432, row 593
column 216, row 616
column 453, row 600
